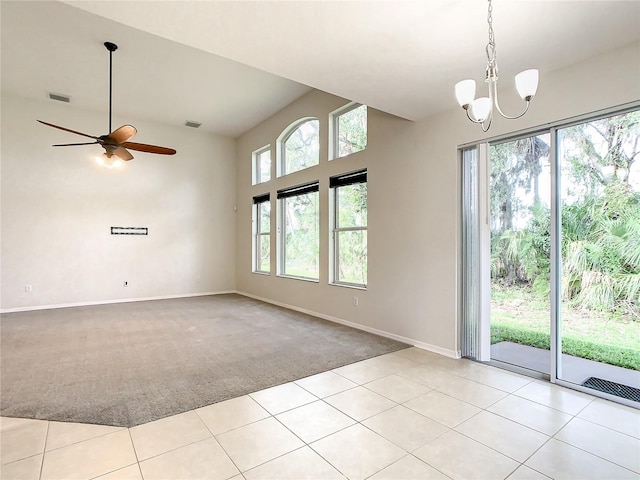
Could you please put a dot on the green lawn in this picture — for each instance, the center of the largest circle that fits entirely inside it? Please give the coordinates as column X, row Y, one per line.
column 519, row 316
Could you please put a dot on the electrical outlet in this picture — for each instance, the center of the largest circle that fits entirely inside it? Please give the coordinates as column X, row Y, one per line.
column 28, row 289
column 355, row 301
column 125, row 284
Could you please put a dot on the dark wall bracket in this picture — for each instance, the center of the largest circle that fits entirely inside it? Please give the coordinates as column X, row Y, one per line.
column 129, row 231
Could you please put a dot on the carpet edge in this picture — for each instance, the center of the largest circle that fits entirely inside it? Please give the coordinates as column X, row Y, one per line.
column 415, row 343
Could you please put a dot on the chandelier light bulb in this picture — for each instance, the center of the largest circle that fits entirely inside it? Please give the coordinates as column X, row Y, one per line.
column 527, row 83
column 465, row 92
column 481, row 108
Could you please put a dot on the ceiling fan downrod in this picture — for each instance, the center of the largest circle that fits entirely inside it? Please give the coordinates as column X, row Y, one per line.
column 112, row 47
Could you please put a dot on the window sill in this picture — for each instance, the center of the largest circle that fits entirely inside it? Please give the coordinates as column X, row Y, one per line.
column 293, row 277
column 346, row 285
column 262, row 273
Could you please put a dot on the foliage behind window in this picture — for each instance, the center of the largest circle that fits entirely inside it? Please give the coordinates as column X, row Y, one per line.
column 263, row 238
column 351, row 234
column 600, row 221
column 301, row 236
column 263, row 165
column 351, row 131
column 302, row 147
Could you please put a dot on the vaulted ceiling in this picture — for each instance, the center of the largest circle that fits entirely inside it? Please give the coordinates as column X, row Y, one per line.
column 231, row 64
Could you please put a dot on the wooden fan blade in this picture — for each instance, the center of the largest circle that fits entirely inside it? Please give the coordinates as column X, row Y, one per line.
column 122, row 134
column 123, row 153
column 67, row 129
column 143, row 147
column 73, row 144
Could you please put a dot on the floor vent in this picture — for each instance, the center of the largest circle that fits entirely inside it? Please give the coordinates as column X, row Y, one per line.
column 613, row 388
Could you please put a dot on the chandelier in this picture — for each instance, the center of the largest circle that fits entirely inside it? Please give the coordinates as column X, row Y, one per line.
column 480, row 110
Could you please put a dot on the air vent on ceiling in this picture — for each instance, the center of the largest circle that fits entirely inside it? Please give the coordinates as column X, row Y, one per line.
column 192, row 124
column 60, row 97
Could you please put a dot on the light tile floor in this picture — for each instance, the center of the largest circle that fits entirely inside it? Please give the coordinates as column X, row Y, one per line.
column 406, row 415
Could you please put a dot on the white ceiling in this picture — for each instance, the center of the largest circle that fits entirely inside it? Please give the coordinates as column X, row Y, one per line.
column 231, row 64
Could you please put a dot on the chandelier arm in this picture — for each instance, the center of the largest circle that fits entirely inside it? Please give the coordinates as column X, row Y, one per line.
column 474, row 120
column 526, row 109
column 493, row 94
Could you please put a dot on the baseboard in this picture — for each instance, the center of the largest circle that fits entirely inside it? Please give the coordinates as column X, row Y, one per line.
column 106, row 302
column 424, row 346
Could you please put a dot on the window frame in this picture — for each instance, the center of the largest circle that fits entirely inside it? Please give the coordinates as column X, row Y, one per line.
column 282, row 195
column 256, row 169
column 335, row 182
column 334, row 129
column 258, row 202
column 281, row 146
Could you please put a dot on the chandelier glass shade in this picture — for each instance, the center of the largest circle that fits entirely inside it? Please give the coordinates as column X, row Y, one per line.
column 480, row 110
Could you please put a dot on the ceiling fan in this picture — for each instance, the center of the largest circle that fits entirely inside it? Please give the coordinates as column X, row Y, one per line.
column 117, row 142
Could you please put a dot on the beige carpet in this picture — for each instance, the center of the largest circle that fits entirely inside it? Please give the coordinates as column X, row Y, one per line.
column 128, row 364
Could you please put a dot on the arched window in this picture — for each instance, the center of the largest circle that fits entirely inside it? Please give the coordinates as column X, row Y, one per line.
column 300, row 146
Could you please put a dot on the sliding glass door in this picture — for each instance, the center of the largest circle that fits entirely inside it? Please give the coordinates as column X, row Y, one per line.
column 519, row 212
column 599, row 324
column 551, row 241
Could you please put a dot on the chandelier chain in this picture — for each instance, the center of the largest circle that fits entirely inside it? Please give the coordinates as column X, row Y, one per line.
column 491, row 46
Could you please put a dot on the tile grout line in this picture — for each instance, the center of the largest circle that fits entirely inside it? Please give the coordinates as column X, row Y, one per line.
column 87, row 439
column 596, row 455
column 241, row 473
column 44, row 451
column 576, row 417
column 360, row 422
column 563, row 389
column 521, row 463
column 135, row 452
column 357, row 422
column 176, row 448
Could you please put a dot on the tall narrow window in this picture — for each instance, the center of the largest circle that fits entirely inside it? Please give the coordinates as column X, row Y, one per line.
column 262, row 234
column 298, row 228
column 349, row 194
column 262, row 165
column 300, row 147
column 349, row 130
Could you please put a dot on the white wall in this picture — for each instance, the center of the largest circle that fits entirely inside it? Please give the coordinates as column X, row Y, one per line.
column 414, row 207
column 58, row 206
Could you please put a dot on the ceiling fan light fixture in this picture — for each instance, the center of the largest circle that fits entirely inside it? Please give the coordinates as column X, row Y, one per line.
column 109, row 161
